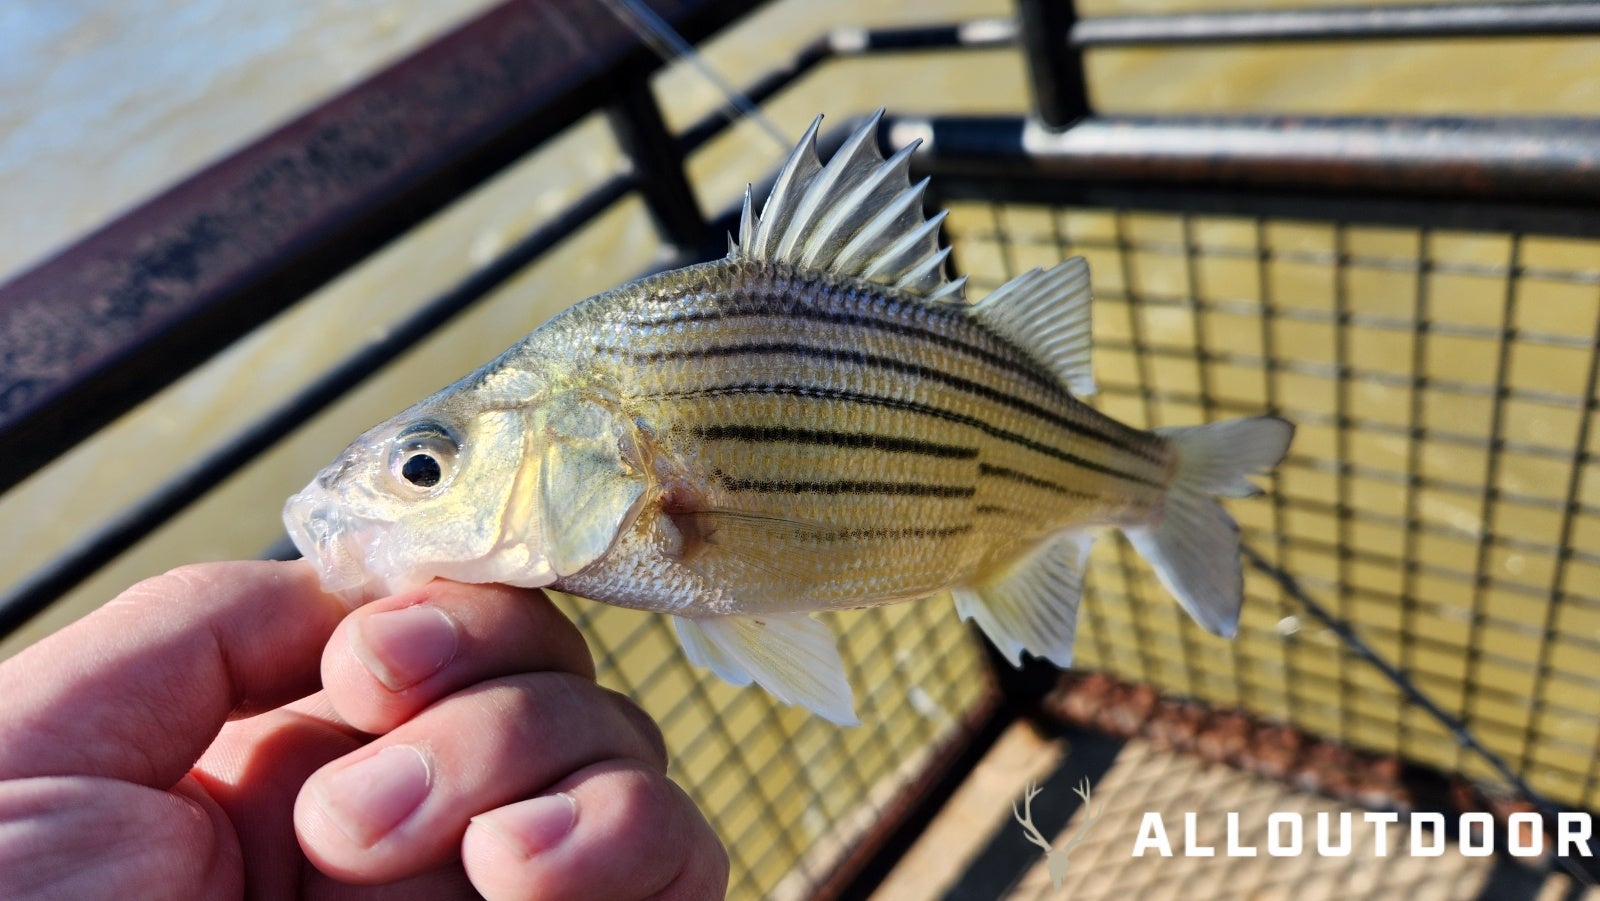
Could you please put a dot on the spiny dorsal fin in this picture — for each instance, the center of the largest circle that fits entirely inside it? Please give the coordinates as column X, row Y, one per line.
column 1047, row 311
column 859, row 215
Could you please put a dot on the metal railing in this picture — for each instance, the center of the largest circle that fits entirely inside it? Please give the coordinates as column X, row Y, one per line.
column 114, row 318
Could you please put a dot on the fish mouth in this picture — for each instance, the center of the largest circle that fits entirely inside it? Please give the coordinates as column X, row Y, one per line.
column 337, row 545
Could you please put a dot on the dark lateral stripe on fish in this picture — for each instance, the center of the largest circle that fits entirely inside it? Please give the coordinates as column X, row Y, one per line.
column 757, row 309
column 863, row 440
column 785, row 305
column 890, row 534
column 993, row 510
column 843, row 486
column 1002, row 472
column 914, row 407
column 874, row 361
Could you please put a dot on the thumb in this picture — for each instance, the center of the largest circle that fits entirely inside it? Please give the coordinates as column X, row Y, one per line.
column 139, row 688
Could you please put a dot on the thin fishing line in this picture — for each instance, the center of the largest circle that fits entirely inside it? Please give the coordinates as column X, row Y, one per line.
column 1459, row 730
column 671, row 46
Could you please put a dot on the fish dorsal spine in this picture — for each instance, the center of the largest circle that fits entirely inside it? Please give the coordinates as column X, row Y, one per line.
column 858, row 216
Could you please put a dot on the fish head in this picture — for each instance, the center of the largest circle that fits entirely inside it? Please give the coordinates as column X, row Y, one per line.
column 428, row 493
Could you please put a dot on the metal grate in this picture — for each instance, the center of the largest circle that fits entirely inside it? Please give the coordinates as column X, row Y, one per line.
column 788, row 792
column 1439, row 496
column 1442, row 368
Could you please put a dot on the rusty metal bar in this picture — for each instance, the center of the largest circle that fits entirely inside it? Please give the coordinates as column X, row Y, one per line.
column 1534, row 175
column 1363, row 23
column 1055, row 64
column 108, row 321
column 131, row 525
column 1485, row 159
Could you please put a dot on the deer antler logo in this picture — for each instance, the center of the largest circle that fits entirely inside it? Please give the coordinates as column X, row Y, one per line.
column 1055, row 861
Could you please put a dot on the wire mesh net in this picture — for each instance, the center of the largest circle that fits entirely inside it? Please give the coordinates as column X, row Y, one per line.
column 1440, row 495
column 787, row 791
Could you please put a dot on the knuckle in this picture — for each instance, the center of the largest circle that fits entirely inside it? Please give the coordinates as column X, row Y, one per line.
column 176, row 582
column 647, row 729
column 556, row 632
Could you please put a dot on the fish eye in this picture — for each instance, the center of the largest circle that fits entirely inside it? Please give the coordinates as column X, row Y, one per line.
column 424, row 456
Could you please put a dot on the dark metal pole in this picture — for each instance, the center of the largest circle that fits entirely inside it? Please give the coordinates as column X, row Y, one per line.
column 1055, row 65
column 127, row 309
column 1550, row 160
column 658, row 163
column 1443, row 20
column 123, row 530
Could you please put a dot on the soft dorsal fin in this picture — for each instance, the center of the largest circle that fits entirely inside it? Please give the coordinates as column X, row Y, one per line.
column 1046, row 311
column 859, row 215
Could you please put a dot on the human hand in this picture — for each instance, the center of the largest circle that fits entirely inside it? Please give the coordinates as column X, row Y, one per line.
column 175, row 744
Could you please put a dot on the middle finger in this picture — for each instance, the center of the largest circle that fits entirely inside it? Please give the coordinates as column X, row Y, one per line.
column 400, row 805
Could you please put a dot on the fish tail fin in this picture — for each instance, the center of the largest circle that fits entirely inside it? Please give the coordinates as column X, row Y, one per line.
column 1193, row 544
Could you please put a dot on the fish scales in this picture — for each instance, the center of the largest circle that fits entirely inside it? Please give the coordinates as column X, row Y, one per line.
column 820, row 420
column 875, row 326
column 718, row 362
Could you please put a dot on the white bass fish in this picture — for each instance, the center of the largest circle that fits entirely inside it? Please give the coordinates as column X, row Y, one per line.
column 820, row 420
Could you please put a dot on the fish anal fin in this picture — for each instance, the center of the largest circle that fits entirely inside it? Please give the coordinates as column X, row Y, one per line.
column 1046, row 312
column 858, row 215
column 791, row 655
column 1033, row 604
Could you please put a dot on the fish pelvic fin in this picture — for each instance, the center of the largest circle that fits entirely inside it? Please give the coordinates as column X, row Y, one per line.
column 858, row 216
column 1033, row 604
column 1046, row 312
column 791, row 655
column 1193, row 544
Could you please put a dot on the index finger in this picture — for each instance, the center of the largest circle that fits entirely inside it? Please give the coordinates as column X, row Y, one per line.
column 137, row 689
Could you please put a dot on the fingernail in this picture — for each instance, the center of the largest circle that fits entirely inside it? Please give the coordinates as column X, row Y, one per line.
column 533, row 826
column 402, row 647
column 368, row 799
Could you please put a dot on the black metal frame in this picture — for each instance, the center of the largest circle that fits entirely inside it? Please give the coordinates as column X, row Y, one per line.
column 122, row 313
column 118, row 315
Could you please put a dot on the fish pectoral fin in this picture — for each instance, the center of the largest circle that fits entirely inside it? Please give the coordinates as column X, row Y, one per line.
column 1033, row 605
column 791, row 655
column 585, row 500
column 1046, row 311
